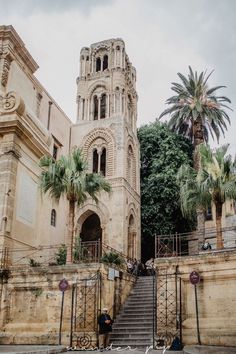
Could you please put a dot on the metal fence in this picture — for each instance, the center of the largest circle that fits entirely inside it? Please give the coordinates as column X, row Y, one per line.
column 194, row 243
column 44, row 255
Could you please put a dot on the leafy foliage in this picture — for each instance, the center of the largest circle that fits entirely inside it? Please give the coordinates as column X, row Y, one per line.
column 112, row 258
column 195, row 108
column 79, row 252
column 214, row 182
column 61, row 255
column 162, row 153
column 33, row 263
column 69, row 177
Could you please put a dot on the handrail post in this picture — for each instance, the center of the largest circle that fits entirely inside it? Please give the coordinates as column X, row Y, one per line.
column 154, row 307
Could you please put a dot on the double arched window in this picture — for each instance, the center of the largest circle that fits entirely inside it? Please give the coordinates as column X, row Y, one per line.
column 99, row 106
column 131, row 169
column 99, row 161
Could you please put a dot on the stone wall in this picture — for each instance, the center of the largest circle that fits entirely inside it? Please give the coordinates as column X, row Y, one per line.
column 31, row 302
column 216, row 296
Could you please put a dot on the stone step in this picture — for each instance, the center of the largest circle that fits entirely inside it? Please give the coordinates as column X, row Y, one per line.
column 137, row 330
column 132, row 323
column 141, row 296
column 130, row 310
column 136, row 306
column 139, row 301
column 133, row 343
column 139, row 311
column 133, row 335
column 143, row 291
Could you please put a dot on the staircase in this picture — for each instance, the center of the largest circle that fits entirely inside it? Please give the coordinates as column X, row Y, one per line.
column 134, row 325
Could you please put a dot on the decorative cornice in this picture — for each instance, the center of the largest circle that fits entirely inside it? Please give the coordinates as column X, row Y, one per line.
column 11, row 44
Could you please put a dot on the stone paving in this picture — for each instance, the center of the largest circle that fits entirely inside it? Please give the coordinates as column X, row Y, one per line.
column 51, row 349
column 32, row 349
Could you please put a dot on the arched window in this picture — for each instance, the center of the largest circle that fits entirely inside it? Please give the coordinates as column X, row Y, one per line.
column 53, row 217
column 87, row 58
column 131, row 170
column 95, row 108
column 103, row 106
column 131, row 237
column 95, row 161
column 129, row 107
column 103, row 162
column 98, row 64
column 105, row 62
column 117, row 100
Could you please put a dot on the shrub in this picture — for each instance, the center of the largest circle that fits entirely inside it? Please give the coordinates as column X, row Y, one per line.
column 33, row 263
column 112, row 258
column 61, row 255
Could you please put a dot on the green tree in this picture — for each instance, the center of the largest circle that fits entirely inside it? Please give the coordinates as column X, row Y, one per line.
column 162, row 153
column 195, row 109
column 68, row 176
column 214, row 182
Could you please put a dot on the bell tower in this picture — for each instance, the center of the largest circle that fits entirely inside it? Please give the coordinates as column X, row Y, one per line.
column 106, row 131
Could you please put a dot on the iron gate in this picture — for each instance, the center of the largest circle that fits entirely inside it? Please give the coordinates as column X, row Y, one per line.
column 84, row 312
column 169, row 311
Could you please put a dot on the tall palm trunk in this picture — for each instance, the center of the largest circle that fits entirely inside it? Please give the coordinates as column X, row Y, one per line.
column 219, row 236
column 70, row 232
column 198, row 138
column 198, row 135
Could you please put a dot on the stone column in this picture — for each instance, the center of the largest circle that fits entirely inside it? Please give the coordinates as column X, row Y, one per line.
column 108, row 106
column 99, row 107
column 9, row 157
column 120, row 105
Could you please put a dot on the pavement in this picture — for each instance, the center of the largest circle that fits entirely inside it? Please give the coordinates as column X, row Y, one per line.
column 204, row 349
column 32, row 349
column 53, row 349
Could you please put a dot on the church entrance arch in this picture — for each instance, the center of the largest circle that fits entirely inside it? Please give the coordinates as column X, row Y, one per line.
column 91, row 229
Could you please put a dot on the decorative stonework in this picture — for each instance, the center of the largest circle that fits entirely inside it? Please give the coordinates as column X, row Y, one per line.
column 10, row 103
column 6, row 63
column 101, row 138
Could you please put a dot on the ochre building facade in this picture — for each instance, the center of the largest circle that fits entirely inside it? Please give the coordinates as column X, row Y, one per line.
column 32, row 125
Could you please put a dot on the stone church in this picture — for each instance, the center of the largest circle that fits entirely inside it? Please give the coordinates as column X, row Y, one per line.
column 32, row 124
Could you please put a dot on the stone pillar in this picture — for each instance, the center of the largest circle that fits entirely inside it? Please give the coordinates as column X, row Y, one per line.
column 108, row 106
column 9, row 156
column 99, row 107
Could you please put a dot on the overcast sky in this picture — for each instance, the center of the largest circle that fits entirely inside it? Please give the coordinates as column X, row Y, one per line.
column 162, row 38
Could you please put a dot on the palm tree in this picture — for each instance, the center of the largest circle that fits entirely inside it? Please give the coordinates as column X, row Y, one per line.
column 68, row 176
column 196, row 110
column 214, row 182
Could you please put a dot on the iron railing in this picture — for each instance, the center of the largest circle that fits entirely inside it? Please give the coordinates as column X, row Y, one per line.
column 89, row 252
column 193, row 243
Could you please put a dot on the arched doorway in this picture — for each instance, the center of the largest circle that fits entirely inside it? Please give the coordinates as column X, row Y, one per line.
column 131, row 238
column 91, row 229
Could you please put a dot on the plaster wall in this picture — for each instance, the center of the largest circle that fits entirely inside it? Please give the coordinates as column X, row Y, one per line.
column 216, row 296
column 31, row 302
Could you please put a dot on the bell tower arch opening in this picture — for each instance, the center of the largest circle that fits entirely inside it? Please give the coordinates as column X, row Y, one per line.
column 91, row 229
column 131, row 238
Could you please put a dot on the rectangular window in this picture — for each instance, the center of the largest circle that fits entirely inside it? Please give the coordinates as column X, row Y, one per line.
column 55, row 151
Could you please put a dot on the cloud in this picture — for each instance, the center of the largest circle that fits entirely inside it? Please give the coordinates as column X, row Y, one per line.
column 162, row 38
column 29, row 7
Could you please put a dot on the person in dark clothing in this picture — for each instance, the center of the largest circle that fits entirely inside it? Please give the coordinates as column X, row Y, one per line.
column 105, row 328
